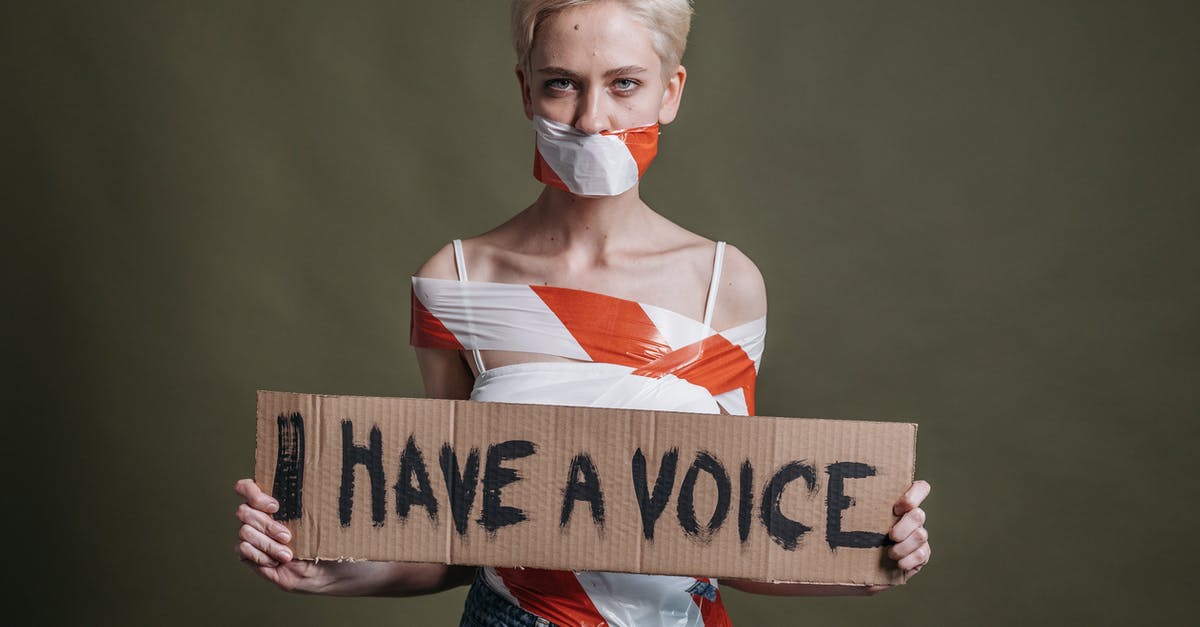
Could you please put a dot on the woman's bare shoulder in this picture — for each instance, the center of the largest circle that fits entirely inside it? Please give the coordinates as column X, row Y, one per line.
column 440, row 265
column 742, row 296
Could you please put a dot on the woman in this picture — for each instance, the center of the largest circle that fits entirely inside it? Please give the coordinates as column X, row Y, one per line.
column 573, row 301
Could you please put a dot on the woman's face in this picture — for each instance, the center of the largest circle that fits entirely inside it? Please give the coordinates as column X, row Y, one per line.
column 594, row 67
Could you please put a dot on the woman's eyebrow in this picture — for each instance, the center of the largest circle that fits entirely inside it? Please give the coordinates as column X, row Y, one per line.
column 562, row 71
column 559, row 71
column 627, row 69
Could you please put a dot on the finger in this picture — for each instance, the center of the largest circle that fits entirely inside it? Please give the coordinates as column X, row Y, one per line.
column 263, row 522
column 252, row 555
column 254, row 495
column 907, row 524
column 246, row 487
column 917, row 559
column 271, row 574
column 260, row 541
column 909, row 544
column 912, row 498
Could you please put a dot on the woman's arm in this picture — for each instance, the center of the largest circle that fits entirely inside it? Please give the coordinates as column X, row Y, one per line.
column 445, row 374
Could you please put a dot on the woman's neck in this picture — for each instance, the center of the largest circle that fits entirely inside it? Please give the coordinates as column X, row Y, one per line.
column 586, row 228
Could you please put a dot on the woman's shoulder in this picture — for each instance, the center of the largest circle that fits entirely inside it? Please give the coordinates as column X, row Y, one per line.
column 440, row 266
column 481, row 255
column 742, row 294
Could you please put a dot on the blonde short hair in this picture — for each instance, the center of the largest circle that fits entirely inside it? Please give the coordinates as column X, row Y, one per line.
column 668, row 21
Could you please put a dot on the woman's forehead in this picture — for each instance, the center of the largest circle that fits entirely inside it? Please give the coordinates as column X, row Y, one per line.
column 597, row 36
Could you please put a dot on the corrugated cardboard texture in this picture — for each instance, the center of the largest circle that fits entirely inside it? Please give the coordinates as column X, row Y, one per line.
column 774, row 499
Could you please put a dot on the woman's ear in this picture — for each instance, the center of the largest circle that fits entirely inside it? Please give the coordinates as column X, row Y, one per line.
column 672, row 94
column 526, row 99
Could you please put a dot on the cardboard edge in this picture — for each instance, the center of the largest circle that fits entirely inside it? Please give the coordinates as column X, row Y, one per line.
column 912, row 473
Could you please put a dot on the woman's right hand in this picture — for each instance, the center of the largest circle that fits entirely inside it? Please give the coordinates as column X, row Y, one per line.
column 262, row 544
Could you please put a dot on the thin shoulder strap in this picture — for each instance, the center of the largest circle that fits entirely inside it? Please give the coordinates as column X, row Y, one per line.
column 710, row 304
column 460, row 263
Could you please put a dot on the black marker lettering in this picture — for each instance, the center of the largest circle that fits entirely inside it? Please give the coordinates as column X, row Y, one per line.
column 370, row 456
column 783, row 530
column 495, row 477
column 583, row 484
column 412, row 465
column 745, row 500
column 685, row 505
column 460, row 486
column 837, row 501
column 289, row 467
column 652, row 505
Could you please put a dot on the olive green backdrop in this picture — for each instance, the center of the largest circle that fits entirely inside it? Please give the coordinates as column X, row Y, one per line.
column 981, row 216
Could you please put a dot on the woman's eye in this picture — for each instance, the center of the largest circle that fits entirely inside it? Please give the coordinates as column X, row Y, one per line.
column 559, row 84
column 625, row 84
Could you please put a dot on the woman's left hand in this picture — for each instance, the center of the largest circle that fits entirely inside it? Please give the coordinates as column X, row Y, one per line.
column 912, row 549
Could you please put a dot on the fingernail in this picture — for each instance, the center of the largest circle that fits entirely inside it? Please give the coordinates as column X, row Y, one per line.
column 273, row 505
column 285, row 555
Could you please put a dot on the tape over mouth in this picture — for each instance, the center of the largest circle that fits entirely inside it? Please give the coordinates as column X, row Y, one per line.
column 608, row 163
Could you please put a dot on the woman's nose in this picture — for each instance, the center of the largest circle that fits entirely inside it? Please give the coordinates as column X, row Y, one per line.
column 592, row 117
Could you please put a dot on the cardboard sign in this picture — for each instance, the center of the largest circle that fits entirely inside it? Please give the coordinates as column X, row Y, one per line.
column 573, row 488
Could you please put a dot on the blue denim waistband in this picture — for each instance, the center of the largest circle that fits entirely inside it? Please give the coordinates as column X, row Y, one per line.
column 484, row 607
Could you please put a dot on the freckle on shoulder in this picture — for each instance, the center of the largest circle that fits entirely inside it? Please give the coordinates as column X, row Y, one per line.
column 745, row 293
